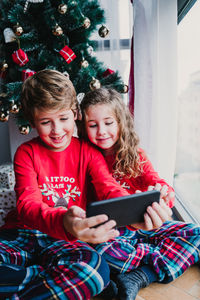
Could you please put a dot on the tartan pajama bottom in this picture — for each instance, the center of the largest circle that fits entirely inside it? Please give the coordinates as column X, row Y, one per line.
column 35, row 266
column 169, row 250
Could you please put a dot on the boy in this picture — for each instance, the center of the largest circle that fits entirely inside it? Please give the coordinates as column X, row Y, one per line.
column 43, row 245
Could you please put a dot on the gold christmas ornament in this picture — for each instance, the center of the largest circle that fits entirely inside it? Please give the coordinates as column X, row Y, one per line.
column 14, row 108
column 94, row 84
column 4, row 116
column 84, row 63
column 4, row 67
column 57, row 30
column 18, row 30
column 24, row 129
column 103, row 31
column 86, row 23
column 125, row 89
column 62, row 8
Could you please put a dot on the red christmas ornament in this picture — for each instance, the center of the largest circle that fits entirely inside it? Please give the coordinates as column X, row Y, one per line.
column 67, row 54
column 27, row 73
column 20, row 57
column 108, row 72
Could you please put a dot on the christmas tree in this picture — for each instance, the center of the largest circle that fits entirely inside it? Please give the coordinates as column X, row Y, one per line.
column 50, row 34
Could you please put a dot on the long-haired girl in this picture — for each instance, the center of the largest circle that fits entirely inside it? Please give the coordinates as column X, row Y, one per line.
column 164, row 249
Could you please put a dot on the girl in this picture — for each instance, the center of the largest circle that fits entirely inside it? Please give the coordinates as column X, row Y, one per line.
column 165, row 249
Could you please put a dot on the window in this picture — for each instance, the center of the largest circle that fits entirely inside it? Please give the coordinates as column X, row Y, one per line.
column 114, row 49
column 187, row 177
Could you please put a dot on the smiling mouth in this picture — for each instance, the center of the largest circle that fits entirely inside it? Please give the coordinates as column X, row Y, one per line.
column 103, row 140
column 57, row 139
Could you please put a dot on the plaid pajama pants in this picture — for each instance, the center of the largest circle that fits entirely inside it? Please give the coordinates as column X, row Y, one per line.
column 36, row 266
column 169, row 250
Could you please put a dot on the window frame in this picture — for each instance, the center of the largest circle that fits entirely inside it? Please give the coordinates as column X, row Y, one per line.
column 183, row 7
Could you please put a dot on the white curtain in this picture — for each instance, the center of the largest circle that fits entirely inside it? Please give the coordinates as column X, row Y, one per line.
column 155, row 80
column 118, row 15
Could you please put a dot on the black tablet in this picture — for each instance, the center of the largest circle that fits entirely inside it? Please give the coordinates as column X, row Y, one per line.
column 124, row 210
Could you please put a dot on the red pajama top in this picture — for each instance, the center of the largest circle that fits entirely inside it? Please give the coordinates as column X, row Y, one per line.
column 148, row 177
column 48, row 183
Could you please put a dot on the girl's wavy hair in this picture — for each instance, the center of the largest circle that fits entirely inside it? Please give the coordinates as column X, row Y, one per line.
column 47, row 89
column 127, row 160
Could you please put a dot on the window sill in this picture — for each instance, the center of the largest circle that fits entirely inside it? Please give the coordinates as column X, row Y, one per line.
column 182, row 213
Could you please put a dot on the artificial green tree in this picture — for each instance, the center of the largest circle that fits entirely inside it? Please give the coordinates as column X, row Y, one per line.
column 50, row 34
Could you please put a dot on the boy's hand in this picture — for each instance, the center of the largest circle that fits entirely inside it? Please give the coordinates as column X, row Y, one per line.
column 76, row 223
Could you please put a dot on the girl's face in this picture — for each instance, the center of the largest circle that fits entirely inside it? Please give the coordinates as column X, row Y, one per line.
column 102, row 127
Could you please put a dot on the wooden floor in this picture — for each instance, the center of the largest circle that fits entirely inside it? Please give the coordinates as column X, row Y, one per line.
column 186, row 287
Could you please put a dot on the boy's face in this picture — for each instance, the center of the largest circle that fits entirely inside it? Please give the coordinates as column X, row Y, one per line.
column 55, row 127
column 101, row 126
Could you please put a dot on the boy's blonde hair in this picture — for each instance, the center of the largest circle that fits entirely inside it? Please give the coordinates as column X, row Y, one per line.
column 127, row 155
column 47, row 89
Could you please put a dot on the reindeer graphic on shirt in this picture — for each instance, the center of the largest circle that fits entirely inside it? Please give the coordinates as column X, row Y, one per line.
column 56, row 198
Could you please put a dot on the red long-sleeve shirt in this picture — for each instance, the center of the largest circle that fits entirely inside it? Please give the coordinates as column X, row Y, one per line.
column 148, row 177
column 48, row 183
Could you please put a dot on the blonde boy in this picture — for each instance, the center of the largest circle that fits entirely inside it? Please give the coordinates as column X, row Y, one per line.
column 43, row 251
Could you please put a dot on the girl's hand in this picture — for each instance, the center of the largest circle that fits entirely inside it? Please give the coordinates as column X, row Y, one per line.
column 163, row 192
column 155, row 216
column 76, row 223
column 157, row 213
